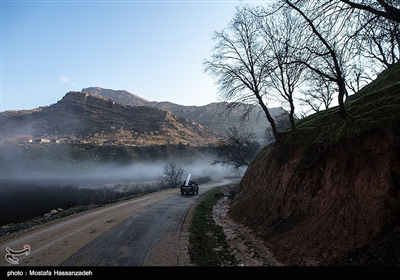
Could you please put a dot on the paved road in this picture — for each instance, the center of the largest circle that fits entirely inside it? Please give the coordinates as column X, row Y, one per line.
column 150, row 237
column 149, row 230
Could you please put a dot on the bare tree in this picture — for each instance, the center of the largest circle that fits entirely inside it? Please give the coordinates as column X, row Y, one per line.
column 329, row 47
column 282, row 123
column 172, row 175
column 239, row 149
column 377, row 23
column 280, row 31
column 319, row 93
column 239, row 64
column 382, row 8
column 379, row 41
column 359, row 33
column 361, row 72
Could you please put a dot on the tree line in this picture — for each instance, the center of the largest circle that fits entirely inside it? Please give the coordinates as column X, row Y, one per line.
column 303, row 54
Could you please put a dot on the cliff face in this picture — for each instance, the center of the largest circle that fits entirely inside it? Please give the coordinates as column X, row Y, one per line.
column 318, row 201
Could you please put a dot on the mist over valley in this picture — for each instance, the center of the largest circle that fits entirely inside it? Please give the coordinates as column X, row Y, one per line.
column 36, row 180
column 90, row 150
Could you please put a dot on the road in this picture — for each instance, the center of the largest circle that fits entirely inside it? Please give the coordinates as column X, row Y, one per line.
column 151, row 230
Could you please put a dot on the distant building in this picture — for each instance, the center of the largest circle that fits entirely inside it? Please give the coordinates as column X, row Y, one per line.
column 39, row 140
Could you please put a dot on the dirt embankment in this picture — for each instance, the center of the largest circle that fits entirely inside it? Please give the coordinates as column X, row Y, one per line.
column 315, row 207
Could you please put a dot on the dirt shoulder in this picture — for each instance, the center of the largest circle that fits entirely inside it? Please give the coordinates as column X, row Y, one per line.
column 247, row 247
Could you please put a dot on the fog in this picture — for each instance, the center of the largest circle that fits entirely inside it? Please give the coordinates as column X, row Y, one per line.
column 85, row 183
column 89, row 173
column 145, row 172
column 58, row 165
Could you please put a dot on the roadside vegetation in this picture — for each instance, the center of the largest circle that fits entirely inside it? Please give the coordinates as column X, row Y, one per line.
column 207, row 242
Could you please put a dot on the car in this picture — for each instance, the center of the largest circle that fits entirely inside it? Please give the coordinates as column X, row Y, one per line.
column 189, row 186
column 192, row 188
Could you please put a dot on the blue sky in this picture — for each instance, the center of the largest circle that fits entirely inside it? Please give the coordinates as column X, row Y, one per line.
column 153, row 49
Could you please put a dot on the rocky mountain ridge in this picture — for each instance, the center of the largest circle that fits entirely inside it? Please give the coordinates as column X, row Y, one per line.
column 213, row 116
column 106, row 120
column 94, row 119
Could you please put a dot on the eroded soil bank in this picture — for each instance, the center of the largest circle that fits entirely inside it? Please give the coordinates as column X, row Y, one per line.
column 336, row 205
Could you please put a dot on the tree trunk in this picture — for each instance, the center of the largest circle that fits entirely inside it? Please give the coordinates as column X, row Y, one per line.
column 291, row 115
column 269, row 118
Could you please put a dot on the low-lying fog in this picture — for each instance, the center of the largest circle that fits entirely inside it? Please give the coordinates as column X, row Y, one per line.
column 27, row 193
column 138, row 172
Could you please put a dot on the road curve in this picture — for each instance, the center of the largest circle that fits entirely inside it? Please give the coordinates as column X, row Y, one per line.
column 144, row 231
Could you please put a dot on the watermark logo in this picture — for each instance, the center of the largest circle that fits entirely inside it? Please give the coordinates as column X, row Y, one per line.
column 10, row 256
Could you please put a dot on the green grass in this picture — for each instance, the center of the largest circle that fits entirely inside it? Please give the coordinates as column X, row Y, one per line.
column 207, row 242
column 376, row 108
column 371, row 111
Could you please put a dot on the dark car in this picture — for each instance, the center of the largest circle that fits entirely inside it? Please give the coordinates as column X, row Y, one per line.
column 190, row 187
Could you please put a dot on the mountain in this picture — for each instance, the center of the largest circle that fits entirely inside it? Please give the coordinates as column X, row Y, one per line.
column 94, row 119
column 212, row 116
column 121, row 96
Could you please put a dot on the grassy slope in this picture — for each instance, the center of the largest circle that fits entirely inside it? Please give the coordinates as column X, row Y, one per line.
column 378, row 106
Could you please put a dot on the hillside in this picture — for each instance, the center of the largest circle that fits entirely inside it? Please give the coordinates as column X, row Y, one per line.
column 80, row 117
column 212, row 116
column 329, row 193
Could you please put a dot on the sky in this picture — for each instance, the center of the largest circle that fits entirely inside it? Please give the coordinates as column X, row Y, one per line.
column 154, row 49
